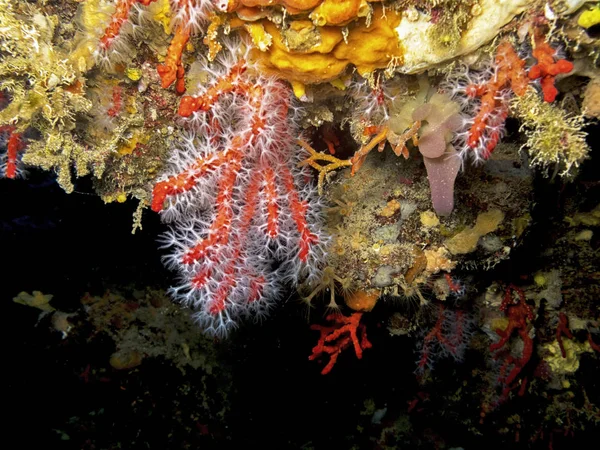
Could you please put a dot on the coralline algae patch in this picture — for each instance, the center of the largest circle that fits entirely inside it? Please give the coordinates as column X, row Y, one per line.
column 387, row 237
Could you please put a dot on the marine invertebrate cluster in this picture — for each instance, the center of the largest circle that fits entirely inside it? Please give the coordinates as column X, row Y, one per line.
column 402, row 37
column 189, row 17
column 439, row 155
column 45, row 91
column 112, row 45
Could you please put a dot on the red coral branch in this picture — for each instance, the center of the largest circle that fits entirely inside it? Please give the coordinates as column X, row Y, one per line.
column 172, row 69
column 487, row 127
column 547, row 67
column 188, row 16
column 338, row 336
column 563, row 329
column 485, row 97
column 449, row 337
column 592, row 343
column 14, row 143
column 118, row 19
column 518, row 314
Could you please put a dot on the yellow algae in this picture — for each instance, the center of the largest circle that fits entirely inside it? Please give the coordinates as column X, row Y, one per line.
column 588, row 219
column 438, row 259
column 36, row 300
column 352, row 32
column 301, row 35
column 466, row 241
column 161, row 13
column 124, row 359
column 584, row 235
column 540, row 279
column 299, row 89
column 390, row 209
column 339, row 83
column 260, row 38
column 337, row 12
column 544, row 125
column 570, row 363
column 429, row 219
column 589, row 18
column 499, row 323
column 138, row 137
column 93, row 16
column 60, row 322
column 133, row 73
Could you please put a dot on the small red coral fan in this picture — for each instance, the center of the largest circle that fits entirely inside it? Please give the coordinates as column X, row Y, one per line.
column 117, row 102
column 338, row 336
column 592, row 343
column 518, row 314
column 547, row 68
column 10, row 164
column 488, row 125
column 189, row 17
column 172, row 69
column 450, row 336
column 484, row 120
column 113, row 45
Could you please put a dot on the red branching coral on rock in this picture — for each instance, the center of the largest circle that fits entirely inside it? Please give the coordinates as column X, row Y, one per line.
column 450, row 336
column 484, row 119
column 548, row 66
column 246, row 218
column 10, row 161
column 338, row 336
column 112, row 44
column 190, row 16
column 563, row 329
column 518, row 314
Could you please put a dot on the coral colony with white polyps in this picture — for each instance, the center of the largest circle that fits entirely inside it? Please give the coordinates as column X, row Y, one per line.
column 245, row 219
